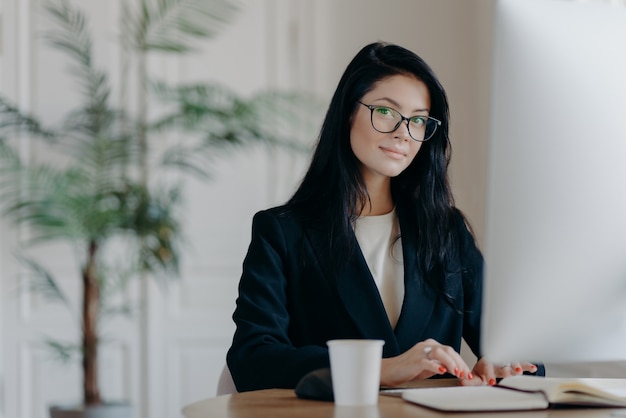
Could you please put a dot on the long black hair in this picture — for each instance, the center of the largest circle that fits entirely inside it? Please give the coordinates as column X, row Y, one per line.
column 333, row 192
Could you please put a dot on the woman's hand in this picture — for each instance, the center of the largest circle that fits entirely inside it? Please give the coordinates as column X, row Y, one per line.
column 486, row 373
column 421, row 361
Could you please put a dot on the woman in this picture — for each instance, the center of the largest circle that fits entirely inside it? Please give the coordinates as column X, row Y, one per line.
column 370, row 245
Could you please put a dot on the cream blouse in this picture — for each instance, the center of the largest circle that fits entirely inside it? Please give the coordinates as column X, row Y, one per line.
column 378, row 237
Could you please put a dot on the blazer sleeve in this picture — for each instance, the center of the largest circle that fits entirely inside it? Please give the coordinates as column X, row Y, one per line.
column 262, row 355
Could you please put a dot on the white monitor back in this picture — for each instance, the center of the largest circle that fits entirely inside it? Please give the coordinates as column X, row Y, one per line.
column 555, row 249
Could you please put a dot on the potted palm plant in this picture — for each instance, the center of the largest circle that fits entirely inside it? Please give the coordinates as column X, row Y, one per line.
column 90, row 182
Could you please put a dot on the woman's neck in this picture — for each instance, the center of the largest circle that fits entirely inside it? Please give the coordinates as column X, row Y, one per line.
column 379, row 190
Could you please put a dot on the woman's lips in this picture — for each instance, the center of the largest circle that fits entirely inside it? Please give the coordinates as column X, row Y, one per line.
column 393, row 153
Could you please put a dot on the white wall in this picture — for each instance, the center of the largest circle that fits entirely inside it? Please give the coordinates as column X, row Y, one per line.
column 174, row 355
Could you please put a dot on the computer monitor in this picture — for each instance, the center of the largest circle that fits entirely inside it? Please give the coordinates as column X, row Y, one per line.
column 555, row 239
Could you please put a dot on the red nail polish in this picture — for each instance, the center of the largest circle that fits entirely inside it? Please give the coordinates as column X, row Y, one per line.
column 462, row 374
column 442, row 369
column 518, row 369
column 470, row 376
column 492, row 382
column 456, row 371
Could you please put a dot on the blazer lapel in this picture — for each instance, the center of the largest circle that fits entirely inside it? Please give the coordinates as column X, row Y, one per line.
column 359, row 294
column 419, row 298
column 362, row 300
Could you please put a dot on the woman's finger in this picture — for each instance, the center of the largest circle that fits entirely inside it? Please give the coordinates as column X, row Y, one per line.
column 450, row 359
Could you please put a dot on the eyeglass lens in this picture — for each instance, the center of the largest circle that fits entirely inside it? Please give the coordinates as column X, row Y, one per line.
column 386, row 119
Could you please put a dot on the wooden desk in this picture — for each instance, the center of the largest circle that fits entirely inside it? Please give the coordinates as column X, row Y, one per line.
column 283, row 403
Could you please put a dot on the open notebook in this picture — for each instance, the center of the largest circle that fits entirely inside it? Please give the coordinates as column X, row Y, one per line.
column 522, row 393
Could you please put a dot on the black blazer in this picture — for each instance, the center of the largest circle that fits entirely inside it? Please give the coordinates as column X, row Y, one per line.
column 290, row 303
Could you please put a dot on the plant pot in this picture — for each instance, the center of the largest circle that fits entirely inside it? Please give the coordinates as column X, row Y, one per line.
column 106, row 410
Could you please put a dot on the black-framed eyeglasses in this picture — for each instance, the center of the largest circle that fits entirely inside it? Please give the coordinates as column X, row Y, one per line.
column 386, row 119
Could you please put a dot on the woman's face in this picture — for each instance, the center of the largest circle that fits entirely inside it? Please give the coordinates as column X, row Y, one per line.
column 385, row 155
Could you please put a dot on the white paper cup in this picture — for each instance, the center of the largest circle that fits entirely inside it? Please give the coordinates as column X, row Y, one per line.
column 355, row 371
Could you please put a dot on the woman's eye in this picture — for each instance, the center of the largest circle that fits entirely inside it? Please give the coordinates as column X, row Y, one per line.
column 418, row 120
column 383, row 111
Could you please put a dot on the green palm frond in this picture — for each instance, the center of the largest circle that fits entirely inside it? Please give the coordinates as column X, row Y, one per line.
column 156, row 223
column 102, row 159
column 56, row 203
column 43, row 283
column 62, row 352
column 285, row 118
column 226, row 119
column 115, row 275
column 223, row 120
column 192, row 103
column 13, row 121
column 190, row 159
column 9, row 164
column 125, row 310
column 172, row 25
column 21, row 185
column 73, row 37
